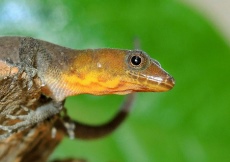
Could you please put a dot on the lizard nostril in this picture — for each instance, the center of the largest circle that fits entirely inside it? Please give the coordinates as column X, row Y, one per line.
column 170, row 81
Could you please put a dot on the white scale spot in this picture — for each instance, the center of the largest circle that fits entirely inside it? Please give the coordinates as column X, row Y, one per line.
column 99, row 65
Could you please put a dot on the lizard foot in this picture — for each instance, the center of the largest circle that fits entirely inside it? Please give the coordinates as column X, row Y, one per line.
column 70, row 127
column 67, row 123
column 33, row 117
column 79, row 130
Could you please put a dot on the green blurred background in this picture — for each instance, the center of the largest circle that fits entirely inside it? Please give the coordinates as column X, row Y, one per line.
column 188, row 124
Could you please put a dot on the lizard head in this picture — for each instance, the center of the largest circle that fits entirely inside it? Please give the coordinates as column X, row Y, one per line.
column 108, row 71
column 145, row 74
column 126, row 71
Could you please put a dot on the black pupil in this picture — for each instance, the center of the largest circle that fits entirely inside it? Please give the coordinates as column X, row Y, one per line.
column 136, row 60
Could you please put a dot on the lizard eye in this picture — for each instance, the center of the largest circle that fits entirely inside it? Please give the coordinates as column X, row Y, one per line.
column 137, row 60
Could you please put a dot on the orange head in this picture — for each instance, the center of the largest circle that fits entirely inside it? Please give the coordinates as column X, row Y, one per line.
column 110, row 71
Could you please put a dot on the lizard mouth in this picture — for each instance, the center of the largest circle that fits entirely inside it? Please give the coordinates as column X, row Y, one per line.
column 162, row 84
column 155, row 84
column 150, row 83
column 158, row 84
column 169, row 82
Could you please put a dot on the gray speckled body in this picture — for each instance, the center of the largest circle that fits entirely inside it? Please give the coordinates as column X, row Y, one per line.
column 21, row 104
column 20, row 84
column 27, row 117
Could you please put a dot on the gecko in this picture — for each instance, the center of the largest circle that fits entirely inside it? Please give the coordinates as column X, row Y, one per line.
column 37, row 76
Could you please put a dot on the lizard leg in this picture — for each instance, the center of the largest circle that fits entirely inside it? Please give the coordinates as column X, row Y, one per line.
column 33, row 117
column 84, row 131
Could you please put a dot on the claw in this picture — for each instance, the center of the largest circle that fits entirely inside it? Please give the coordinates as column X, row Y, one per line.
column 70, row 127
column 21, row 117
column 11, row 128
column 53, row 132
column 11, row 117
column 29, row 85
column 25, row 108
column 5, row 128
column 4, row 136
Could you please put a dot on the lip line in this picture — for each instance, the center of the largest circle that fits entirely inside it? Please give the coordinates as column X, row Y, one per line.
column 168, row 82
column 159, row 80
column 148, row 77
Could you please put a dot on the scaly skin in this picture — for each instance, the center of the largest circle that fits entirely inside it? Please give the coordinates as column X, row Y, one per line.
column 65, row 72
column 105, row 71
column 36, row 77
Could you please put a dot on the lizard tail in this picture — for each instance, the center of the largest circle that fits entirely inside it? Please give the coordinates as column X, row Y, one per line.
column 87, row 132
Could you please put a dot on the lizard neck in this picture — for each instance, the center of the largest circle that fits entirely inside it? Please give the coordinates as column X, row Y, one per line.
column 82, row 72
